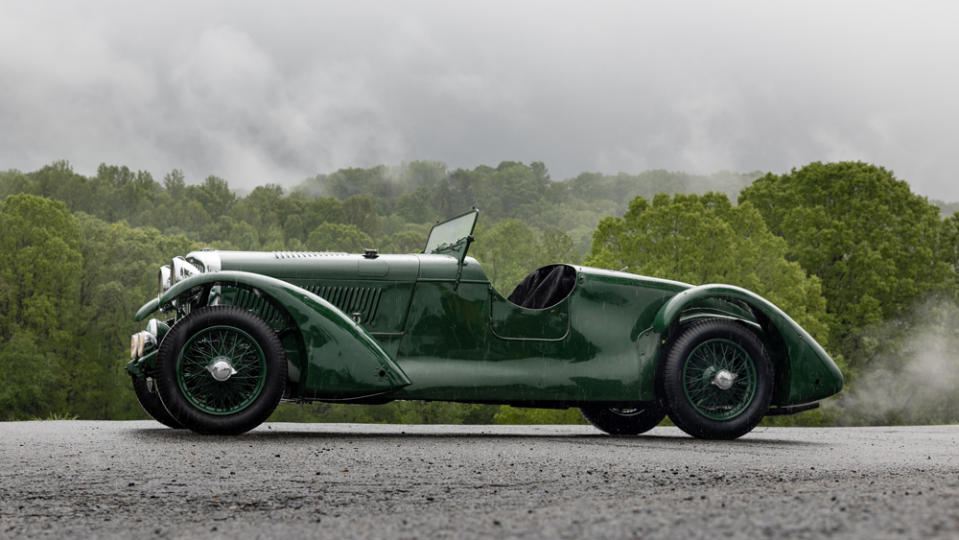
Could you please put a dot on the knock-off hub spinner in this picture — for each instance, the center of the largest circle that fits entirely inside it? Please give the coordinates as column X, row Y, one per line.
column 221, row 369
column 724, row 379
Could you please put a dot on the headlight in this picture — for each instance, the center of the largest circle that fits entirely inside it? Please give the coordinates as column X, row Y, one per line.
column 140, row 343
column 146, row 340
column 164, row 280
column 205, row 261
column 180, row 269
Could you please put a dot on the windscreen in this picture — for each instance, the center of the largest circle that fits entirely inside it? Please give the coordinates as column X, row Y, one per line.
column 450, row 232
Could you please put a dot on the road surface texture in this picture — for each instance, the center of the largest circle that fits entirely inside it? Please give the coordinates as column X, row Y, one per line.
column 138, row 479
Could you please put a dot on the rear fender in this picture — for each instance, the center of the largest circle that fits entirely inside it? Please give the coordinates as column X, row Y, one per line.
column 342, row 359
column 804, row 371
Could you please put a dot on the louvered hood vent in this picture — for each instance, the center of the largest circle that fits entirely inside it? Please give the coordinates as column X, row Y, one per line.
column 306, row 254
column 350, row 300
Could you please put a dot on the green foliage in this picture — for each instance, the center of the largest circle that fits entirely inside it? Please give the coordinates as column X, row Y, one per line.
column 517, row 415
column 510, row 249
column 360, row 212
column 119, row 266
column 28, row 378
column 214, row 195
column 705, row 239
column 408, row 241
column 872, row 242
column 948, row 250
column 68, row 285
column 338, row 237
column 38, row 303
column 39, row 298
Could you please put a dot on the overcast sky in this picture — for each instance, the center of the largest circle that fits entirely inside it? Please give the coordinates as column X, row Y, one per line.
column 256, row 94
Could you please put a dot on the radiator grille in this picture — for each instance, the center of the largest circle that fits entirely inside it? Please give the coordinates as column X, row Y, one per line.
column 247, row 299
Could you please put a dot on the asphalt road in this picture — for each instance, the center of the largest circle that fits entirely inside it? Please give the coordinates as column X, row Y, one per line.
column 125, row 479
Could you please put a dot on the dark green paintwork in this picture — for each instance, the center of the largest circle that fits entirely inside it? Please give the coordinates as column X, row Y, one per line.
column 140, row 367
column 147, row 309
column 341, row 359
column 804, row 371
column 432, row 327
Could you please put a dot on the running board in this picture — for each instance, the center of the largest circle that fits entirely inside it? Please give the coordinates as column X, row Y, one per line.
column 792, row 409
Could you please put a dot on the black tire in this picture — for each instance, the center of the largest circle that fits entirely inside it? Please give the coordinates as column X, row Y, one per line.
column 625, row 421
column 693, row 380
column 151, row 403
column 232, row 339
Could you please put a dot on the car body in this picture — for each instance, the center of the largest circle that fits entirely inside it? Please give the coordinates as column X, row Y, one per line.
column 244, row 330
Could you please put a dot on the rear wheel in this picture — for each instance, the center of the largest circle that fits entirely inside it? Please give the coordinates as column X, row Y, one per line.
column 221, row 370
column 717, row 380
column 151, row 403
column 624, row 421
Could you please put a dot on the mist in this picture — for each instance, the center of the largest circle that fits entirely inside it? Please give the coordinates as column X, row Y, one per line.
column 913, row 377
column 277, row 95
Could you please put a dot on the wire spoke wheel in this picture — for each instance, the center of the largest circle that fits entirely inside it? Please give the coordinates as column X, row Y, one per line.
column 151, row 403
column 719, row 379
column 628, row 420
column 232, row 350
column 221, row 370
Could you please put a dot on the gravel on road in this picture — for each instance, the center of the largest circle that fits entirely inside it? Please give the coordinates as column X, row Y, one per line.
column 125, row 479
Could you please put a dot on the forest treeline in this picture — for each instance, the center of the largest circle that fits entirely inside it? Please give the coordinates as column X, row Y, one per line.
column 864, row 264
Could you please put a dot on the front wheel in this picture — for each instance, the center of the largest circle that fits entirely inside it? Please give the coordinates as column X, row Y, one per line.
column 624, row 421
column 717, row 380
column 147, row 396
column 221, row 370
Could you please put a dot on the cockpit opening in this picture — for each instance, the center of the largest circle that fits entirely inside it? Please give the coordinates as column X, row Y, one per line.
column 544, row 287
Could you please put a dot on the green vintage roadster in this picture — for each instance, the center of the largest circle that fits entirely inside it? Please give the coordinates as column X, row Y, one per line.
column 242, row 331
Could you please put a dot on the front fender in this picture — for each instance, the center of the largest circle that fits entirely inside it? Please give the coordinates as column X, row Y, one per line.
column 343, row 360
column 806, row 373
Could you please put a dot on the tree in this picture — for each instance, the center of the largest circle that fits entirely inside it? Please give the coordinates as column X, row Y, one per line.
column 705, row 239
column 421, row 174
column 949, row 250
column 416, row 207
column 12, row 182
column 304, row 214
column 175, row 184
column 872, row 242
column 509, row 250
column 118, row 275
column 346, row 183
column 29, row 381
column 404, row 242
column 40, row 266
column 39, row 303
column 360, row 211
column 516, row 415
column 262, row 208
column 338, row 237
column 214, row 195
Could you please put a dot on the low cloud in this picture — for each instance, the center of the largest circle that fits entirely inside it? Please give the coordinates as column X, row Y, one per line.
column 261, row 95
